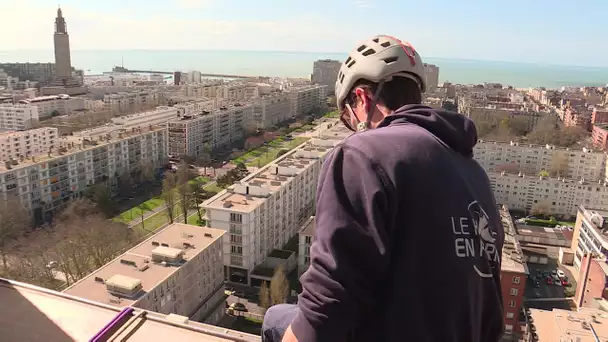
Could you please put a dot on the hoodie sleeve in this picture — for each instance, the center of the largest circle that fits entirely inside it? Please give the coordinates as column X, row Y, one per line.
column 349, row 256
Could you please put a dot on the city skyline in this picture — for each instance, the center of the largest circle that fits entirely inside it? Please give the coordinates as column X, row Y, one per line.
column 211, row 25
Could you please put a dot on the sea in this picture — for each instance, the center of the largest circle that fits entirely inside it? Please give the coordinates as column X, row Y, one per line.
column 299, row 64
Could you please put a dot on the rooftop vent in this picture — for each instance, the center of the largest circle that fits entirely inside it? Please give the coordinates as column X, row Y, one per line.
column 167, row 254
column 187, row 245
column 99, row 280
column 208, row 235
column 128, row 262
column 164, row 244
column 123, row 286
column 155, row 243
column 227, row 204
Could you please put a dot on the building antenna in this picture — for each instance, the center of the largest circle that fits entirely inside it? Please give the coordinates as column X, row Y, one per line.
column 122, row 61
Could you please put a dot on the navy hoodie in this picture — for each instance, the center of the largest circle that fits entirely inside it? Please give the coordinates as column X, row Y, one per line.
column 408, row 237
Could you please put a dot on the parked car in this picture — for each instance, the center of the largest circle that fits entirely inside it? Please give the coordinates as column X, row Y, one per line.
column 239, row 307
column 549, row 280
column 556, row 280
column 565, row 282
column 561, row 274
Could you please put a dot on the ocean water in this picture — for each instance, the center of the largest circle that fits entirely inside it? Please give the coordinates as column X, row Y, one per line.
column 299, row 64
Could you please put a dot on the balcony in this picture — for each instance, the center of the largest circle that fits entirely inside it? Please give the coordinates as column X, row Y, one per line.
column 39, row 314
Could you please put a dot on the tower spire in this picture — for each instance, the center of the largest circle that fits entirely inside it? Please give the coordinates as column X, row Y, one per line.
column 60, row 26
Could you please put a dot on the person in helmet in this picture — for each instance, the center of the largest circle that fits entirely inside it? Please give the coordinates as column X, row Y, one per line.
column 408, row 236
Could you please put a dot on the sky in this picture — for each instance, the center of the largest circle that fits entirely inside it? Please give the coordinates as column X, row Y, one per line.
column 535, row 31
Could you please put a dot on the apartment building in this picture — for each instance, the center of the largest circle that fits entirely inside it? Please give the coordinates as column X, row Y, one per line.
column 592, row 281
column 270, row 110
column 25, row 144
column 513, row 274
column 238, row 91
column 55, row 105
column 305, row 99
column 17, row 117
column 431, row 72
column 325, row 72
column 176, row 271
column 48, row 182
column 125, row 101
column 160, row 115
column 191, row 134
column 266, row 209
column 590, row 235
column 40, row 314
column 531, row 159
column 558, row 196
column 206, row 90
column 583, row 325
column 306, row 236
column 198, row 106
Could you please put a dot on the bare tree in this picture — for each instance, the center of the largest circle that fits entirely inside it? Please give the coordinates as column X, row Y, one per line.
column 250, row 128
column 559, row 164
column 169, row 195
column 145, row 171
column 279, row 286
column 199, row 195
column 264, row 295
column 14, row 221
column 541, row 209
column 184, row 189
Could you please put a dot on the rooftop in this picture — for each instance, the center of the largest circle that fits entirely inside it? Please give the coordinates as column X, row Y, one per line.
column 584, row 325
column 547, row 147
column 512, row 255
column 542, row 232
column 596, row 219
column 308, row 228
column 39, row 314
column 82, row 141
column 234, row 106
column 136, row 264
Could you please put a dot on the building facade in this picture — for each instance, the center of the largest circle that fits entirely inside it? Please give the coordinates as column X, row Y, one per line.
column 590, row 234
column 25, row 144
column 176, row 271
column 306, row 99
column 325, row 72
column 306, row 236
column 431, row 72
column 126, row 101
column 513, row 274
column 192, row 135
column 46, row 183
column 54, row 105
column 271, row 110
column 531, row 159
column 160, row 115
column 266, row 209
column 555, row 196
column 18, row 117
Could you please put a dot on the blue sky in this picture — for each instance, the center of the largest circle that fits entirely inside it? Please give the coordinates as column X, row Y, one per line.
column 554, row 32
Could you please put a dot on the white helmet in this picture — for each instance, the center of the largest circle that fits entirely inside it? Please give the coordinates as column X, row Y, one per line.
column 376, row 60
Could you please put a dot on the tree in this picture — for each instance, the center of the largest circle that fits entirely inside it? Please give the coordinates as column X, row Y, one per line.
column 198, row 196
column 204, row 158
column 101, row 196
column 279, row 286
column 14, row 221
column 145, row 171
column 541, row 209
column 125, row 184
column 169, row 195
column 184, row 189
column 264, row 296
column 559, row 164
column 250, row 128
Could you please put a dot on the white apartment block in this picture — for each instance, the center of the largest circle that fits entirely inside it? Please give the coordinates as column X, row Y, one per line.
column 559, row 196
column 305, row 238
column 48, row 182
column 431, row 72
column 198, row 106
column 270, row 110
column 305, row 99
column 176, row 271
column 55, row 104
column 25, row 144
column 123, row 101
column 206, row 90
column 590, row 233
column 17, row 117
column 191, row 135
column 266, row 209
column 238, row 91
column 194, row 77
column 325, row 72
column 531, row 159
column 160, row 115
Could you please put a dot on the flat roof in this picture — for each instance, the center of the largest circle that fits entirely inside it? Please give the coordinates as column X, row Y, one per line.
column 308, row 228
column 67, row 141
column 563, row 325
column 129, row 265
column 512, row 255
column 543, row 232
column 40, row 315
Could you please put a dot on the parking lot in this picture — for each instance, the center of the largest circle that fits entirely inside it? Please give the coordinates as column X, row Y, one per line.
column 546, row 290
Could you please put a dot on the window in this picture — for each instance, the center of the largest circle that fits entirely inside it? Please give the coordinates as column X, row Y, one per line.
column 238, row 218
column 508, row 327
column 308, row 240
column 238, row 239
column 510, row 315
column 236, row 249
column 514, row 292
column 512, row 303
column 516, row 280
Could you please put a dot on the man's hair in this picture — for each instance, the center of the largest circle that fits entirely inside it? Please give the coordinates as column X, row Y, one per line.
column 398, row 92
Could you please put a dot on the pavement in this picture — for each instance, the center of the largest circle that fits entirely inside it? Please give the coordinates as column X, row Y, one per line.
column 246, row 295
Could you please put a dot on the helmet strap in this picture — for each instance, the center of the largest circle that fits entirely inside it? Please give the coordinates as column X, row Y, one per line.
column 363, row 126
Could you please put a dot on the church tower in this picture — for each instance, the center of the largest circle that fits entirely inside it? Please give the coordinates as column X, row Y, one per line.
column 63, row 64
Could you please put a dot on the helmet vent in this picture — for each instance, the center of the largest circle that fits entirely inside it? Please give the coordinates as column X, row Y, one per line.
column 361, row 48
column 351, row 63
column 375, row 40
column 368, row 52
column 348, row 60
column 342, row 78
column 385, row 44
column 390, row 60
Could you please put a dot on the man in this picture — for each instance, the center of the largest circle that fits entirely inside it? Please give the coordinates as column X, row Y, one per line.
column 408, row 236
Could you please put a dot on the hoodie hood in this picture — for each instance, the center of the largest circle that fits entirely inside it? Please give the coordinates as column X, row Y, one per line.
column 455, row 130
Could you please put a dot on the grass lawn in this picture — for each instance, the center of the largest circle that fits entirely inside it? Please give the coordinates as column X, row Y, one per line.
column 135, row 212
column 193, row 219
column 548, row 223
column 155, row 222
column 213, row 188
